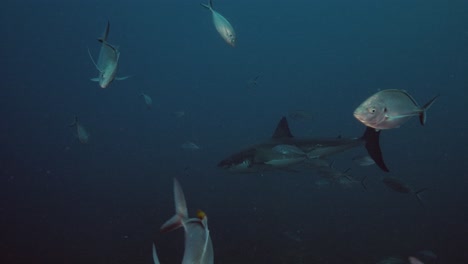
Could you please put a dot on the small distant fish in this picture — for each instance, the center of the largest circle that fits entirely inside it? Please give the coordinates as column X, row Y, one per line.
column 190, row 146
column 81, row 132
column 148, row 100
column 108, row 61
column 400, row 187
column 253, row 82
column 300, row 115
column 391, row 108
column 222, row 25
column 293, row 235
column 179, row 114
column 363, row 160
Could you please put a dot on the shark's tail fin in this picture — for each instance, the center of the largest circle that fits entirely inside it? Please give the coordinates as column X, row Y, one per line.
column 208, row 6
column 181, row 210
column 423, row 115
column 371, row 137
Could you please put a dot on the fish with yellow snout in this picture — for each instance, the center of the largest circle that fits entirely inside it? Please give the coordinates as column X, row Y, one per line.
column 198, row 245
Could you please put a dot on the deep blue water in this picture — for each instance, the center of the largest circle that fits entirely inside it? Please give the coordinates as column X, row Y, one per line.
column 103, row 202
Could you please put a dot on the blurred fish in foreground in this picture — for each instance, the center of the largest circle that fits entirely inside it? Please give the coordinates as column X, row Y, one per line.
column 198, row 245
column 222, row 25
column 81, row 132
column 391, row 108
column 108, row 61
column 190, row 146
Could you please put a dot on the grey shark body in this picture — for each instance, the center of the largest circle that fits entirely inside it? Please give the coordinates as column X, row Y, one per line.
column 263, row 156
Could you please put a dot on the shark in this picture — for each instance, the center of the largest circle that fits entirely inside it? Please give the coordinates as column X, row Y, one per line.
column 265, row 155
column 108, row 61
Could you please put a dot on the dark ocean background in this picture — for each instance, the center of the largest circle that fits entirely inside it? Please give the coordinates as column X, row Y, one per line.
column 103, row 202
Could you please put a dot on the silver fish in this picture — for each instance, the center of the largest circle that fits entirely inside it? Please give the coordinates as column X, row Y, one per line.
column 108, row 61
column 222, row 25
column 148, row 100
column 81, row 132
column 190, row 146
column 391, row 108
column 198, row 245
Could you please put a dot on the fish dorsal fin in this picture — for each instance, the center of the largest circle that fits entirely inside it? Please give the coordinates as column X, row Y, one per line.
column 282, row 129
column 106, row 33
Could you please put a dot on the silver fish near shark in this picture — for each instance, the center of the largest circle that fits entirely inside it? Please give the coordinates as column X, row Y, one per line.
column 389, row 109
column 198, row 245
column 222, row 25
column 81, row 132
column 270, row 154
column 108, row 61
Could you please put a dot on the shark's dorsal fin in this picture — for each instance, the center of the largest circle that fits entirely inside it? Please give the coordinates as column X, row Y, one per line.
column 282, row 130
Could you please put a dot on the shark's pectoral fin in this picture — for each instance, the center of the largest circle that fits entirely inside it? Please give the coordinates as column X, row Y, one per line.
column 123, row 77
column 95, row 79
column 371, row 137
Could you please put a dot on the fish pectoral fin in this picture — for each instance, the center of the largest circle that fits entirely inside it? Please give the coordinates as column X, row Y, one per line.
column 95, row 79
column 123, row 77
column 401, row 116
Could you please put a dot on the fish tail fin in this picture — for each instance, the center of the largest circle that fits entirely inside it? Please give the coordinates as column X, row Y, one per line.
column 155, row 255
column 208, row 6
column 74, row 122
column 423, row 115
column 371, row 137
column 181, row 210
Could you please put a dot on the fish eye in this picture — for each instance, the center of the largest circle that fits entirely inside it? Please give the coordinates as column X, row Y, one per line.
column 371, row 110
